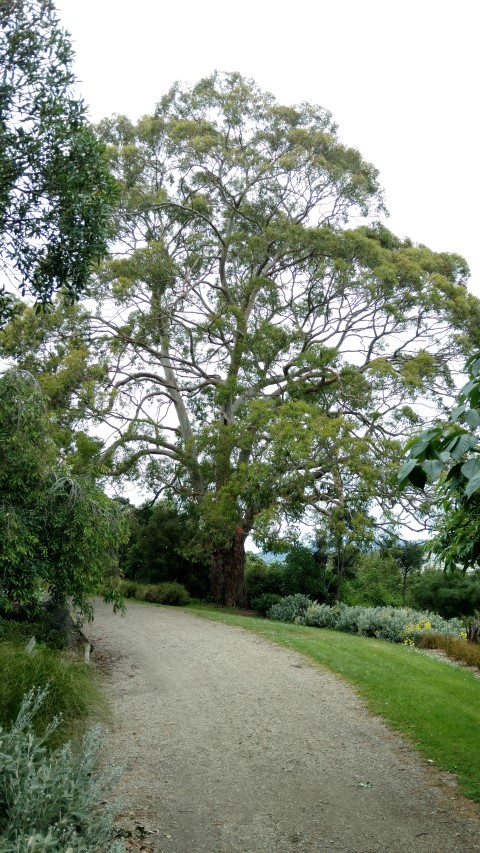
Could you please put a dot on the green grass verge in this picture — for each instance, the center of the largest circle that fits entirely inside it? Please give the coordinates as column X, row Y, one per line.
column 435, row 705
column 74, row 691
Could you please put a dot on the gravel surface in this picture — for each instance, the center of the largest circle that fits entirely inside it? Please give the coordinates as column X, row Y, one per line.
column 231, row 744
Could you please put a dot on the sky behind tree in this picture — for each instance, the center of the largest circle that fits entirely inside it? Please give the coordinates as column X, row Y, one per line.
column 400, row 79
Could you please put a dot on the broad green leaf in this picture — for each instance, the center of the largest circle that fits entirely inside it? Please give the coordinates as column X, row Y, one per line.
column 457, row 412
column 462, row 444
column 472, row 418
column 403, row 474
column 470, row 468
column 433, row 468
column 473, row 486
column 419, row 445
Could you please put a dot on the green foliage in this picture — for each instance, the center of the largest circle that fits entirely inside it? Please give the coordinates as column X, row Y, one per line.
column 53, row 347
column 164, row 593
column 55, row 189
column 304, row 571
column 397, row 625
column 53, row 802
column 168, row 592
column 262, row 578
column 450, row 594
column 377, row 581
column 45, row 630
column 263, row 603
column 448, row 453
column 128, row 588
column 74, row 694
column 56, row 530
column 155, row 552
column 290, row 608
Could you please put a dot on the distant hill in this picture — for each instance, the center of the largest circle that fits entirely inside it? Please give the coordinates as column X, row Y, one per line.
column 268, row 557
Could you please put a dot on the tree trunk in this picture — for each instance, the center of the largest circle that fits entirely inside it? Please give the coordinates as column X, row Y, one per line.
column 228, row 572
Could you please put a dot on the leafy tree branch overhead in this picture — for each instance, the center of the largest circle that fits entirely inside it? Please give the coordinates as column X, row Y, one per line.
column 448, row 455
column 265, row 355
column 56, row 192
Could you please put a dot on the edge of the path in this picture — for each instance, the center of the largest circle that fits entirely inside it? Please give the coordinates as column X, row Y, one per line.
column 438, row 775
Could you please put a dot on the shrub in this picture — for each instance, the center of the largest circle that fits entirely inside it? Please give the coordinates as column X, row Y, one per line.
column 73, row 694
column 321, row 615
column 14, row 631
column 165, row 593
column 291, row 608
column 304, row 572
column 459, row 649
column 128, row 588
column 395, row 624
column 262, row 578
column 264, row 602
column 377, row 582
column 52, row 802
column 159, row 536
column 450, row 593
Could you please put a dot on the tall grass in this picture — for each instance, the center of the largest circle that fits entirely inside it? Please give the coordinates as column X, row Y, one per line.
column 74, row 693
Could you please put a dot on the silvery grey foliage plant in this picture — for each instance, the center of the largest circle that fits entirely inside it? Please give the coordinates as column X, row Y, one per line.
column 53, row 802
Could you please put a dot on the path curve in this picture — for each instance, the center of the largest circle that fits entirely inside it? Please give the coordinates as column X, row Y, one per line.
column 232, row 745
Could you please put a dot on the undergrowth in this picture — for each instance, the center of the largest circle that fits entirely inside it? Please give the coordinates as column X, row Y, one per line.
column 73, row 693
column 455, row 648
column 52, row 802
column 168, row 592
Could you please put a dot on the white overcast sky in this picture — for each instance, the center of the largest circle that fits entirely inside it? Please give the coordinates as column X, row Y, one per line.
column 401, row 79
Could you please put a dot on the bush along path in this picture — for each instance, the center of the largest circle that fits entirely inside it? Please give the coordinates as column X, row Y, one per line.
column 229, row 744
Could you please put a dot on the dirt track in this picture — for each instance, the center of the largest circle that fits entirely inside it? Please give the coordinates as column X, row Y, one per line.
column 230, row 744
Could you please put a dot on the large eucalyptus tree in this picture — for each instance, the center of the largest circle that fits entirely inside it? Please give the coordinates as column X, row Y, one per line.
column 265, row 348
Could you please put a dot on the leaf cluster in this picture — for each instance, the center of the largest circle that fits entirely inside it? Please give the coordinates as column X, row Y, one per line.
column 448, row 454
column 57, row 531
column 56, row 192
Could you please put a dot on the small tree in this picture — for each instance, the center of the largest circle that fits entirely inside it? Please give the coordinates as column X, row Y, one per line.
column 55, row 530
column 304, row 571
column 377, row 580
column 409, row 557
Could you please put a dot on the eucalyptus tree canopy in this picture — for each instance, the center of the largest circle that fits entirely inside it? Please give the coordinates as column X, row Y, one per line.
column 265, row 349
column 55, row 188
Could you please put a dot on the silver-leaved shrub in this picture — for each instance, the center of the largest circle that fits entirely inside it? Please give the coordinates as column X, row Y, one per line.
column 53, row 802
column 292, row 608
column 395, row 624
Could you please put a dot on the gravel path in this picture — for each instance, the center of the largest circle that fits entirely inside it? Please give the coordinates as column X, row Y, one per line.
column 231, row 744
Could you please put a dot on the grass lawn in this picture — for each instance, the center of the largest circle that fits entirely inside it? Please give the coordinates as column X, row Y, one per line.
column 436, row 705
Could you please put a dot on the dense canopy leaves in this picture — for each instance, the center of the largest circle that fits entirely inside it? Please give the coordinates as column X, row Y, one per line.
column 55, row 188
